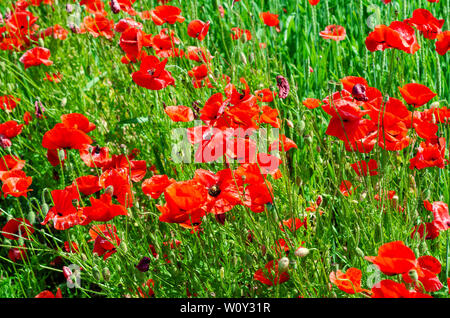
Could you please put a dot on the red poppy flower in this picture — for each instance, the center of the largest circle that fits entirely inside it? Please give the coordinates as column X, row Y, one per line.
column 132, row 41
column 198, row 29
column 102, row 210
column 416, row 94
column 49, row 294
column 346, row 188
column 166, row 14
column 62, row 137
column 362, row 168
column 125, row 5
column 398, row 35
column 349, row 281
column 429, row 154
column 184, row 203
column 393, row 258
column 77, row 121
column 152, row 74
column 313, row 2
column 443, row 42
column 237, row 33
column 123, row 24
column 282, row 144
column 10, row 163
column 270, row 275
column 156, row 185
column 94, row 6
column 333, row 32
column 106, row 242
column 36, row 56
column 198, row 54
column 293, row 224
column 119, row 180
column 179, row 113
column 87, row 184
column 427, row 269
column 16, row 184
column 8, row 102
column 55, row 77
column 63, row 214
column 16, row 228
column 95, row 156
column 390, row 289
column 426, row 23
column 98, row 25
column 223, row 189
column 311, row 103
column 10, row 129
column 269, row 19
column 265, row 95
column 18, row 253
column 441, row 221
column 147, row 289
column 56, row 31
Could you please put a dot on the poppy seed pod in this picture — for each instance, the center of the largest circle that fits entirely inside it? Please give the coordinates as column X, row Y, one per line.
column 283, row 264
column 301, row 252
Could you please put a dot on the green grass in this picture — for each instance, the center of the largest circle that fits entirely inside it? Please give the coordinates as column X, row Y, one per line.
column 221, row 262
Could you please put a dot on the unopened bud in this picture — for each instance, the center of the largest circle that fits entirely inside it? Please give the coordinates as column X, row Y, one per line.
column 283, row 265
column 359, row 252
column 61, row 154
column 96, row 273
column 106, row 274
column 301, row 127
column 222, row 273
column 44, row 208
column 64, row 102
column 301, row 252
column 31, row 217
column 41, row 42
column 289, row 123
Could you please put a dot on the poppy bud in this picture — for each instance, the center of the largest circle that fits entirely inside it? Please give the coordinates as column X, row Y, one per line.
column 83, row 257
column 301, row 252
column 44, row 208
column 41, row 42
column 106, row 274
column 31, row 217
column 243, row 58
column 96, row 273
column 222, row 273
column 308, row 139
column 359, row 252
column 283, row 265
column 251, row 58
column 301, row 127
column 61, row 154
column 435, row 105
column 109, row 190
column 289, row 123
column 283, row 87
column 413, row 275
column 115, row 6
column 124, row 247
column 20, row 241
column 64, row 102
column 319, row 200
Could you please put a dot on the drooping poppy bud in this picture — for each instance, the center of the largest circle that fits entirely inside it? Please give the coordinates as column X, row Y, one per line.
column 143, row 264
column 359, row 93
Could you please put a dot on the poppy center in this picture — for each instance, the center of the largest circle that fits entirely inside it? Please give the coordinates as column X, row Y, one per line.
column 151, row 71
column 214, row 191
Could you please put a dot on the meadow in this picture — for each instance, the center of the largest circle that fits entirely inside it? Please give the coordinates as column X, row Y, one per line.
column 175, row 149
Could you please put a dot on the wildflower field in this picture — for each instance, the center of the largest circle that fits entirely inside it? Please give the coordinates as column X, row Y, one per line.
column 224, row 149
